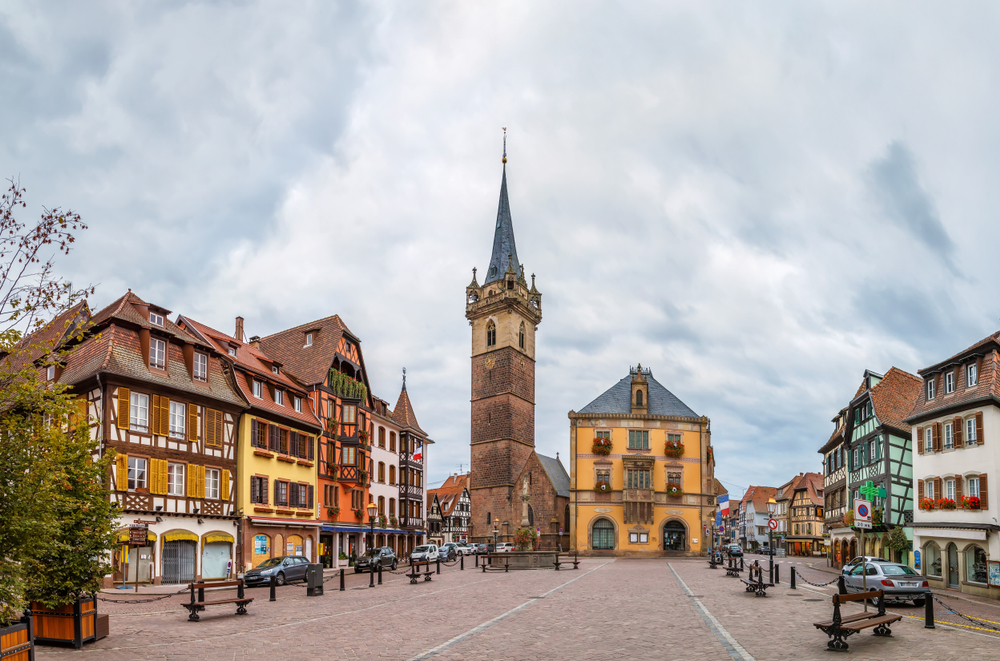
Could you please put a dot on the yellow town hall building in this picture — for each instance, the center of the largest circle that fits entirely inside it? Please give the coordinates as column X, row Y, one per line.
column 641, row 472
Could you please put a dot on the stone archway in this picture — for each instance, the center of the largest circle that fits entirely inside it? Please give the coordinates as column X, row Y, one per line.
column 603, row 533
column 675, row 535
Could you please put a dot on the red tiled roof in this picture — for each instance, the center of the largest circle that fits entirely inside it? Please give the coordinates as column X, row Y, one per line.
column 760, row 497
column 894, row 396
column 308, row 364
column 449, row 493
column 987, row 387
column 812, row 484
column 403, row 414
column 50, row 337
column 125, row 309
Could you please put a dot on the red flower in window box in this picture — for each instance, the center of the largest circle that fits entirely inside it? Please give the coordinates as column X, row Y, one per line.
column 926, row 503
column 674, row 491
column 602, row 446
column 602, row 487
column 970, row 503
column 363, row 436
column 674, row 449
column 945, row 504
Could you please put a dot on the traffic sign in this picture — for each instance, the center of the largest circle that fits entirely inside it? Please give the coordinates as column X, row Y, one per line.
column 772, row 524
column 862, row 514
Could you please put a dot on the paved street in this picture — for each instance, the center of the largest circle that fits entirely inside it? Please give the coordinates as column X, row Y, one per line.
column 635, row 609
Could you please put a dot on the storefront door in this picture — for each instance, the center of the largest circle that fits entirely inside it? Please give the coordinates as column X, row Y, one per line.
column 673, row 536
column 215, row 560
column 140, row 564
column 952, row 566
column 179, row 562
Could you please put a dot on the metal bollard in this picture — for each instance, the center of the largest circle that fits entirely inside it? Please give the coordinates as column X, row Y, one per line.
column 438, row 561
column 273, row 585
column 477, row 560
column 461, row 562
column 793, row 578
column 371, row 577
column 341, row 579
column 841, row 586
column 201, row 593
column 380, row 574
column 776, row 577
column 929, row 611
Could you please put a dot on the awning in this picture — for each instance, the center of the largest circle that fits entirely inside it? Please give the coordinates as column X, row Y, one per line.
column 179, row 536
column 123, row 536
column 219, row 537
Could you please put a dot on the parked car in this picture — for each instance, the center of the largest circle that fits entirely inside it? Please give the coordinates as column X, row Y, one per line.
column 765, row 550
column 735, row 551
column 284, row 568
column 857, row 561
column 482, row 549
column 504, row 547
column 898, row 581
column 466, row 548
column 448, row 551
column 424, row 552
column 375, row 558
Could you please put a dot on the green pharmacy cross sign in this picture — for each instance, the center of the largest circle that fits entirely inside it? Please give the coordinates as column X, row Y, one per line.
column 870, row 491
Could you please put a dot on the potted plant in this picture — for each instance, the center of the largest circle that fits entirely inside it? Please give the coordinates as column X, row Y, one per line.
column 602, row 446
column 525, row 538
column 342, row 556
column 970, row 503
column 393, row 521
column 926, row 503
column 333, row 512
column 674, row 449
column 382, row 520
column 946, row 504
column 674, row 491
column 849, row 518
column 359, row 513
column 363, row 436
column 602, row 487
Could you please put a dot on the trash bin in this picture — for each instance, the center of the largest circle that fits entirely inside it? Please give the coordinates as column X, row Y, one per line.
column 314, row 580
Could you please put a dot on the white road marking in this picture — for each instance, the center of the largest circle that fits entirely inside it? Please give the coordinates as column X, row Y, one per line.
column 735, row 649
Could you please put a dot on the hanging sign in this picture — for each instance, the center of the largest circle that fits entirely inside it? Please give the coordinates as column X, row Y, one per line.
column 137, row 535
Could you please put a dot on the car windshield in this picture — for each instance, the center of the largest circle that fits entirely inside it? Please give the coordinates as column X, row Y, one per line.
column 422, row 549
column 373, row 552
column 898, row 570
column 270, row 562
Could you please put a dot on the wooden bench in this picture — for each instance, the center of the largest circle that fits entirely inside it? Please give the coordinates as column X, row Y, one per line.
column 733, row 570
column 491, row 556
column 199, row 604
column 415, row 573
column 839, row 628
column 758, row 587
column 575, row 560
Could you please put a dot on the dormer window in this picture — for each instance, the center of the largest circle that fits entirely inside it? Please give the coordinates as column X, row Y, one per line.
column 232, row 351
column 50, row 373
column 157, row 353
column 274, row 369
column 638, row 398
column 258, row 389
column 971, row 375
column 491, row 334
column 279, row 397
column 949, row 382
column 200, row 367
column 297, row 402
column 156, row 319
column 309, row 339
column 930, row 388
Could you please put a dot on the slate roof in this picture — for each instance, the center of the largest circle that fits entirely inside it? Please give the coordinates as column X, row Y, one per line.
column 504, row 250
column 618, row 399
column 987, row 388
column 557, row 474
column 894, row 396
column 308, row 364
column 253, row 361
column 403, row 415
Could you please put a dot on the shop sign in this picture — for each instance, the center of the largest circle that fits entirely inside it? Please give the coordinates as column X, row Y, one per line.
column 260, row 544
column 137, row 535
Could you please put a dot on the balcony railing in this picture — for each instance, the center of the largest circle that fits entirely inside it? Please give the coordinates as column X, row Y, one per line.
column 411, row 522
column 409, row 490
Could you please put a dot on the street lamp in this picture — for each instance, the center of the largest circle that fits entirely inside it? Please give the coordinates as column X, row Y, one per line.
column 496, row 531
column 372, row 512
column 772, row 507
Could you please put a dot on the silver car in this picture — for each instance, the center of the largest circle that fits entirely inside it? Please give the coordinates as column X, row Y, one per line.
column 899, row 582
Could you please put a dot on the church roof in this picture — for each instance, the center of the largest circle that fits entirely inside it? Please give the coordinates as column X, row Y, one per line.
column 504, row 250
column 557, row 474
column 618, row 399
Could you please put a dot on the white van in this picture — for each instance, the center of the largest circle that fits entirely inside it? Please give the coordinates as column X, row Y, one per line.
column 424, row 552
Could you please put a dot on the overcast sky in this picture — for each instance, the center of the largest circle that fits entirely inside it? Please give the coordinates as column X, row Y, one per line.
column 757, row 202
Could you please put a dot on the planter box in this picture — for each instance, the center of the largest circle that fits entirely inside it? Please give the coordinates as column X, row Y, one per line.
column 73, row 624
column 17, row 642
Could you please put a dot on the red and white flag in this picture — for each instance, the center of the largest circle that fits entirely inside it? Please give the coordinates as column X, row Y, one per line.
column 418, row 454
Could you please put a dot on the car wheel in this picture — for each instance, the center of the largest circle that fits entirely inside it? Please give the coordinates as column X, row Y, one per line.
column 279, row 579
column 357, row 570
column 393, row 565
column 919, row 602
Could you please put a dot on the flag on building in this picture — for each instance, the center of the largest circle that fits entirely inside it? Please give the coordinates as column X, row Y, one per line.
column 724, row 504
column 418, row 455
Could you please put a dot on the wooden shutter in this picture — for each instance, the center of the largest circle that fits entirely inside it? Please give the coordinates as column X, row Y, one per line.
column 124, row 402
column 263, row 490
column 209, row 427
column 201, row 481
column 984, row 499
column 920, row 491
column 154, row 414
column 938, row 488
column 272, row 438
column 979, row 429
column 310, row 442
column 121, row 470
column 937, row 437
column 192, row 414
column 254, row 489
column 164, row 416
column 192, row 481
column 277, row 500
column 309, row 504
column 956, row 432
column 81, row 415
column 154, row 477
column 958, row 488
column 224, row 486
column 920, row 440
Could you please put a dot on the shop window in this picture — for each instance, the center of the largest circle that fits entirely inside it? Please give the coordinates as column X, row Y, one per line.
column 975, row 565
column 932, row 560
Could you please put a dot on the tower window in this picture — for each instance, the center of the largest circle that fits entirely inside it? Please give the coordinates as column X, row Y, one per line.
column 520, row 336
column 491, row 334
column 638, row 398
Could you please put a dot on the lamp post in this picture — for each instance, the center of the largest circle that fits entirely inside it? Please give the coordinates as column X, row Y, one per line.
column 772, row 507
column 496, row 531
column 372, row 512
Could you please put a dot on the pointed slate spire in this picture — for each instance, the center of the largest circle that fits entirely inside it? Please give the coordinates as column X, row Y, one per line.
column 504, row 250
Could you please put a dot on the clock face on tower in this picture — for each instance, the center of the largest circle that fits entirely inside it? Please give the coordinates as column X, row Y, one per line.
column 490, row 363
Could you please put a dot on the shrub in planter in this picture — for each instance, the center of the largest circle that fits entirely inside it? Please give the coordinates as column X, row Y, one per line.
column 393, row 521
column 970, row 503
column 17, row 641
column 601, row 446
column 525, row 538
column 359, row 513
column 674, row 449
column 926, row 503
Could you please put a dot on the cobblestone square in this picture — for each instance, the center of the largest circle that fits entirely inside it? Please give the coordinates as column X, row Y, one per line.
column 608, row 608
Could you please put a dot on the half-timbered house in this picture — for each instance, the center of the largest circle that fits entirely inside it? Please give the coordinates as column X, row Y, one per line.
column 835, row 498
column 413, row 443
column 166, row 403
column 276, row 465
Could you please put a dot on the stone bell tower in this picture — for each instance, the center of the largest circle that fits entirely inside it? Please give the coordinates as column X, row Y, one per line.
column 504, row 313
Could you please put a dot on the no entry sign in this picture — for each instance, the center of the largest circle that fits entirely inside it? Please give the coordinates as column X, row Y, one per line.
column 772, row 524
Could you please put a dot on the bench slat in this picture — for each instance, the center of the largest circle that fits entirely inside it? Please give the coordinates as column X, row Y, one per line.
column 215, row 584
column 221, row 601
column 873, row 622
column 849, row 618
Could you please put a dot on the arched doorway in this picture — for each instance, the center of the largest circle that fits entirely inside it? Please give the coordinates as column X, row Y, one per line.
column 674, row 536
column 953, row 566
column 603, row 534
column 179, row 558
column 854, row 551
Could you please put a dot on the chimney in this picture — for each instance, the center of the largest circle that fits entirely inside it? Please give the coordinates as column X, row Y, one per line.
column 239, row 329
column 255, row 341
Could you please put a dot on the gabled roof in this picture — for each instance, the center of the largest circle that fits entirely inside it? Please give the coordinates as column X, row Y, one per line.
column 894, row 396
column 126, row 309
column 251, row 361
column 812, row 484
column 50, row 337
column 759, row 497
column 618, row 400
column 557, row 474
column 449, row 493
column 403, row 414
column 504, row 250
column 986, row 390
column 309, row 364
